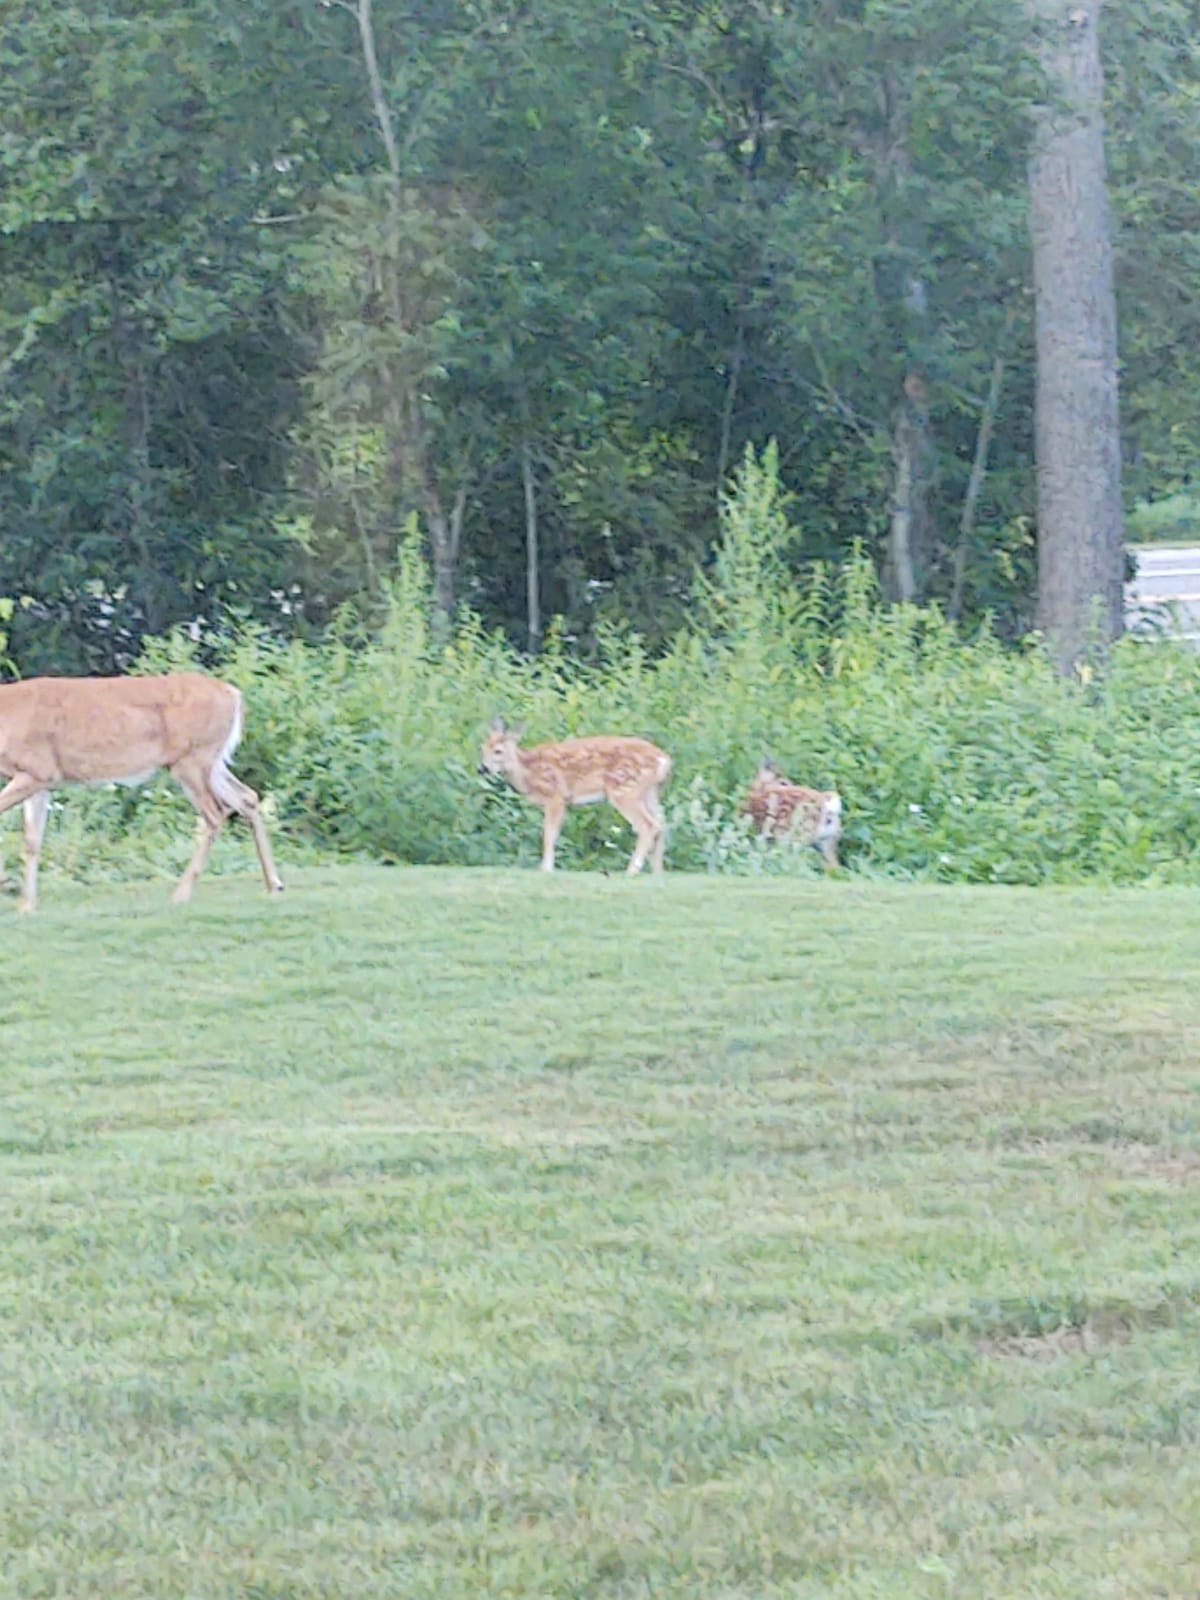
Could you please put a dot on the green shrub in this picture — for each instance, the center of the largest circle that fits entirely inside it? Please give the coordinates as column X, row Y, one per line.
column 958, row 758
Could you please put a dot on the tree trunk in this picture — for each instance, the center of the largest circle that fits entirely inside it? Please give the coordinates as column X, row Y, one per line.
column 1080, row 557
column 983, row 440
column 731, row 388
column 910, row 530
column 445, row 538
column 413, row 470
column 129, row 358
column 443, row 573
column 900, row 272
column 532, row 568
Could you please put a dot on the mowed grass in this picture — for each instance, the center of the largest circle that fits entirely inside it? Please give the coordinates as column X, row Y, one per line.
column 432, row 1233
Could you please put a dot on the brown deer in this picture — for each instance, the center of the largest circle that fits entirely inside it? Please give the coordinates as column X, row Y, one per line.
column 628, row 773
column 781, row 809
column 98, row 730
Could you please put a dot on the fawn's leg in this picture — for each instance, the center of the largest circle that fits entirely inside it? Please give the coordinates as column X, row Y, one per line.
column 829, row 853
column 553, row 813
column 659, row 850
column 633, row 808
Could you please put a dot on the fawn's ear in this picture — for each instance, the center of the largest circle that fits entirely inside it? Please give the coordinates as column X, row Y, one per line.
column 497, row 723
column 518, row 730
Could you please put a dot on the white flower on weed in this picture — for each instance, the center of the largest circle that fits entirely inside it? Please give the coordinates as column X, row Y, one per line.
column 914, row 808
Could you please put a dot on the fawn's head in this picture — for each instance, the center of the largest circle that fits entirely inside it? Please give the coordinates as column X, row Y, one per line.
column 767, row 773
column 499, row 752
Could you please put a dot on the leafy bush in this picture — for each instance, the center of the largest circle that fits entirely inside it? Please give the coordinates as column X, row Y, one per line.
column 958, row 758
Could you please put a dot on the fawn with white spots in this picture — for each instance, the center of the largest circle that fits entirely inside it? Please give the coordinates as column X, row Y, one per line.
column 626, row 772
column 781, row 809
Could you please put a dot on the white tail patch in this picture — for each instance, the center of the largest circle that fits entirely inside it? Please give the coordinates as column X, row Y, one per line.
column 223, row 785
column 831, row 818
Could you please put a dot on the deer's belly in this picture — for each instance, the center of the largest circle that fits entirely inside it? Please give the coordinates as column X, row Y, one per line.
column 127, row 780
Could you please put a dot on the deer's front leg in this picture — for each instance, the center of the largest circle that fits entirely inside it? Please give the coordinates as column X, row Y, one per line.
column 25, row 790
column 36, row 810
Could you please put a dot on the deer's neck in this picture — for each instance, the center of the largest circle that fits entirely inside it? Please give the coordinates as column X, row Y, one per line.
column 518, row 772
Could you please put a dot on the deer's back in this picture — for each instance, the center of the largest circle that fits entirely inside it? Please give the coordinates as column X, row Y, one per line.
column 98, row 729
column 594, row 766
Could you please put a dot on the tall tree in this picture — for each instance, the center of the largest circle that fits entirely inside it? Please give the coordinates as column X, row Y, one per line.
column 1080, row 557
column 147, row 373
column 1152, row 151
column 271, row 278
column 859, row 237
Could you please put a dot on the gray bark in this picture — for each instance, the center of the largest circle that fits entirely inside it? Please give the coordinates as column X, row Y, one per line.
column 129, row 358
column 408, row 447
column 901, row 578
column 445, row 537
column 910, row 527
column 983, row 440
column 532, row 563
column 731, row 388
column 900, row 285
column 1080, row 557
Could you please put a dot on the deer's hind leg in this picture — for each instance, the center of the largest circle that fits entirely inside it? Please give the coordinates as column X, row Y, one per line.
column 646, row 823
column 193, row 780
column 243, row 800
column 217, row 795
column 659, row 849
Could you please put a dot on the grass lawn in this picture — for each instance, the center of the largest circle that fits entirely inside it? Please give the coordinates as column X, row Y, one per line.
column 459, row 1234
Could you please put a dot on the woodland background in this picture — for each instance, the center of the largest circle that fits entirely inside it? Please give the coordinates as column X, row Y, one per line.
column 625, row 241
column 433, row 350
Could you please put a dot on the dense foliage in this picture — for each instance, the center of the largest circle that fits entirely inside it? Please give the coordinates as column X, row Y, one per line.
column 958, row 759
column 537, row 274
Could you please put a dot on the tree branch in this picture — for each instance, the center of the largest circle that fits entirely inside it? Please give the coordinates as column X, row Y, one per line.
column 366, row 33
column 731, row 388
column 983, row 439
column 862, row 426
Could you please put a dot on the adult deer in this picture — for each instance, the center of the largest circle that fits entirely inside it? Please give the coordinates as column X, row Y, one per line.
column 99, row 730
column 628, row 773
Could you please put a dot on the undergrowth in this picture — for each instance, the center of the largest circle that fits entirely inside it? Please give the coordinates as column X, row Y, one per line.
column 959, row 758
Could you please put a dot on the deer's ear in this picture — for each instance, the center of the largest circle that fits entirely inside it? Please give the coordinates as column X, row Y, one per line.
column 497, row 723
column 518, row 731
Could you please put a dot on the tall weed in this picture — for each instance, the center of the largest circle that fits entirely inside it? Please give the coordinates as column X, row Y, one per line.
column 958, row 758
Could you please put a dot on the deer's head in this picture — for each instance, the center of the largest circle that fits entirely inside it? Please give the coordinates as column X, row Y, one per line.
column 498, row 754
